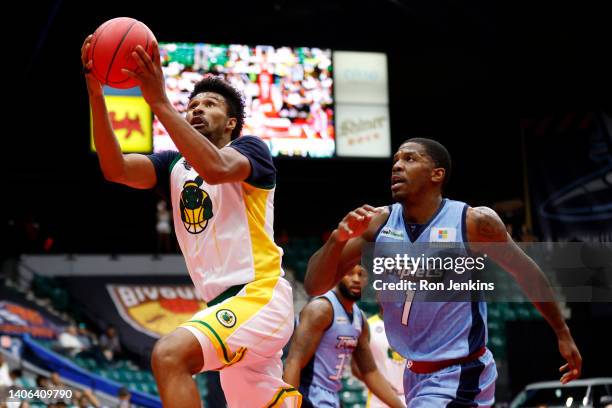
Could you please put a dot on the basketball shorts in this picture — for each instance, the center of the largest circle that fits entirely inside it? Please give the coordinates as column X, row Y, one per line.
column 243, row 337
column 470, row 384
column 319, row 397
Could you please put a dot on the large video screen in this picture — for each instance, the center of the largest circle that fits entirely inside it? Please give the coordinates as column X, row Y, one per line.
column 288, row 92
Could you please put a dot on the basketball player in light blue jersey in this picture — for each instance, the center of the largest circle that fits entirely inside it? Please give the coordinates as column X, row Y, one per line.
column 331, row 329
column 444, row 342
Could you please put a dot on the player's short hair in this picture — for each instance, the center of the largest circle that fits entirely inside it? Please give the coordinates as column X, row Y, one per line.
column 438, row 153
column 233, row 98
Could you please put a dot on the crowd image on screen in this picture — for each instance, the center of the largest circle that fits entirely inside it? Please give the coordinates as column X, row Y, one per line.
column 288, row 92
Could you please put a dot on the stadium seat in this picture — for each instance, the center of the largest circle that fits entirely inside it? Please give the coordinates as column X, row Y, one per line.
column 41, row 286
column 349, row 398
column 60, row 299
column 493, row 311
column 522, row 311
column 495, row 325
column 507, row 312
column 300, row 269
column 351, row 385
column 126, row 375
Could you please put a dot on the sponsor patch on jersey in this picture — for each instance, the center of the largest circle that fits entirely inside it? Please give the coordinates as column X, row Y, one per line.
column 341, row 320
column 226, row 317
column 442, row 234
column 392, row 233
column 155, row 310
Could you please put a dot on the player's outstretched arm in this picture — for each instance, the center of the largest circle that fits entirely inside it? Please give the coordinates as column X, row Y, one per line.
column 484, row 225
column 369, row 374
column 315, row 318
column 134, row 170
column 214, row 165
column 342, row 250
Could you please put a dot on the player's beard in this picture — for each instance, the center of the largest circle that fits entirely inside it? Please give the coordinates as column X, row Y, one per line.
column 347, row 293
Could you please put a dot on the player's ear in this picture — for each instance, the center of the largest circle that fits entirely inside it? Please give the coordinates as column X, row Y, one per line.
column 231, row 123
column 437, row 175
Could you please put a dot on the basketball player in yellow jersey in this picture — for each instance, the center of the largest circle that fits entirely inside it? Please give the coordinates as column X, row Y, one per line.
column 221, row 187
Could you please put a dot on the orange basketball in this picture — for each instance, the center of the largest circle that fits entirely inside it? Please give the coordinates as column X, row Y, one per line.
column 111, row 50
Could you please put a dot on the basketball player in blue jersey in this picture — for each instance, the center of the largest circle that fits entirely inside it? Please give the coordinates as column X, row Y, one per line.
column 221, row 186
column 330, row 330
column 444, row 342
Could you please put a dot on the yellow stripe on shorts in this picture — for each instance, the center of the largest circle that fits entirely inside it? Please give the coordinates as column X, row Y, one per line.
column 220, row 346
column 282, row 394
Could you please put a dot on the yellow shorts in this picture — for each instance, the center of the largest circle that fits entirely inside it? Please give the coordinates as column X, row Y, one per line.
column 243, row 337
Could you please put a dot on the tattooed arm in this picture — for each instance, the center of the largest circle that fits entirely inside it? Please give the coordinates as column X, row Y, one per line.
column 485, row 226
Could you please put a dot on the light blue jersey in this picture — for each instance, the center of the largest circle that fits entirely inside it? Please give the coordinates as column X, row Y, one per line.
column 438, row 330
column 425, row 330
column 321, row 377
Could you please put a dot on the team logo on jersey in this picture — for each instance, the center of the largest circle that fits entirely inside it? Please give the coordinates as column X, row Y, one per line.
column 341, row 320
column 153, row 309
column 347, row 342
column 226, row 317
column 196, row 206
column 444, row 234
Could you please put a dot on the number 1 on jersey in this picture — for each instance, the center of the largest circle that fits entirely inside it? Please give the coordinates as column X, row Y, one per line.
column 407, row 306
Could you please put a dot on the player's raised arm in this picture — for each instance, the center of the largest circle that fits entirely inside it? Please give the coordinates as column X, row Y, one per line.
column 343, row 249
column 484, row 225
column 369, row 374
column 315, row 318
column 134, row 170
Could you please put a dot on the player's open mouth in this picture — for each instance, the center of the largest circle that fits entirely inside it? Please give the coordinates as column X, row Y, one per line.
column 198, row 121
column 395, row 186
column 396, row 182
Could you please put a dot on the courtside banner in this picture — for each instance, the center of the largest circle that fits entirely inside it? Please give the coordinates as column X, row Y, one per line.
column 155, row 310
column 569, row 173
column 143, row 309
column 17, row 319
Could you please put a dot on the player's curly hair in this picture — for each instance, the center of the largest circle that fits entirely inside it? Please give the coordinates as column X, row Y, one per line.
column 235, row 102
column 438, row 153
